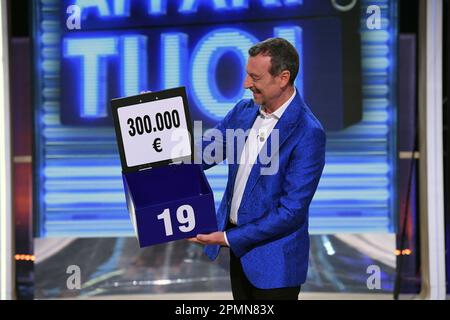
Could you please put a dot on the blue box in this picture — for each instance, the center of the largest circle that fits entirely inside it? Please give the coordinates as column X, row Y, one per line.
column 167, row 199
column 150, row 192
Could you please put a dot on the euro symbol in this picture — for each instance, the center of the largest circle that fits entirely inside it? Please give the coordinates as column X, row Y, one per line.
column 157, row 145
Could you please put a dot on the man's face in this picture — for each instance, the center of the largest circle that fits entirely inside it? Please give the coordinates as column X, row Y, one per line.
column 265, row 87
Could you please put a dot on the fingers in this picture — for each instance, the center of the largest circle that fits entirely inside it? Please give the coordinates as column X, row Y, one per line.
column 195, row 240
column 203, row 238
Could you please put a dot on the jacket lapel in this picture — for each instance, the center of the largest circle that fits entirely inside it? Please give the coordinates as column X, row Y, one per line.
column 290, row 119
column 246, row 123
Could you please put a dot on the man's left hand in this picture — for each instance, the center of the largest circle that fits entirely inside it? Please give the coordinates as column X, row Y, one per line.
column 212, row 238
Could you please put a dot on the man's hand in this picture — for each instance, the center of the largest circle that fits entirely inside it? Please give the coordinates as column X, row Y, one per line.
column 212, row 238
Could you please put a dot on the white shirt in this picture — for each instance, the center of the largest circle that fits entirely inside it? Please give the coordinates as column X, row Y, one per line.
column 260, row 131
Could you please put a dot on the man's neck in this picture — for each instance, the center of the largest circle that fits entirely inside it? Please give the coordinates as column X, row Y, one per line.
column 280, row 101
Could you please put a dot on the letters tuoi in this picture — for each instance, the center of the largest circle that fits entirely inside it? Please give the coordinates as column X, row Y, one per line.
column 121, row 8
column 127, row 57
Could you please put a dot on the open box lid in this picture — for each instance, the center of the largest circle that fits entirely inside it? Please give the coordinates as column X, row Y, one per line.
column 153, row 129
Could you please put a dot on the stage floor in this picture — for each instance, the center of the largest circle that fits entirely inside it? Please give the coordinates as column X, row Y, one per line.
column 118, row 268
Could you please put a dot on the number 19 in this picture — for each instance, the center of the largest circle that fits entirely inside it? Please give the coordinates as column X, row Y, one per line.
column 185, row 216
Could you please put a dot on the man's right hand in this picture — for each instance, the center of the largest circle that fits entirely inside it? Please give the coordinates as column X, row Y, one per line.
column 195, row 240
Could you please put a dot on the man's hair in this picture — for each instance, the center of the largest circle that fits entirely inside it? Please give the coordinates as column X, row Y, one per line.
column 283, row 56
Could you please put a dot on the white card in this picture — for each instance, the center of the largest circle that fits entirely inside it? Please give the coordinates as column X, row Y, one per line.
column 154, row 131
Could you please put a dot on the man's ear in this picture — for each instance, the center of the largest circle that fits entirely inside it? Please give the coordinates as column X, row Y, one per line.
column 284, row 76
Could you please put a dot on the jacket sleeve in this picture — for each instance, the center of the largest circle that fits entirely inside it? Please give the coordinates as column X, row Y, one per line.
column 215, row 139
column 300, row 183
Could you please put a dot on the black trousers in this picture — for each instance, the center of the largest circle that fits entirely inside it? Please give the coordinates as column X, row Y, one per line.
column 243, row 290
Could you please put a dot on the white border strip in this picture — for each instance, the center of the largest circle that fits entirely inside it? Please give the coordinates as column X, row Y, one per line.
column 6, row 225
column 431, row 150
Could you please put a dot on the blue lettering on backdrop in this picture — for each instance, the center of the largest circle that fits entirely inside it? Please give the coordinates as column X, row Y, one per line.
column 174, row 51
column 120, row 8
column 92, row 55
column 101, row 6
column 157, row 7
column 132, row 50
column 208, row 59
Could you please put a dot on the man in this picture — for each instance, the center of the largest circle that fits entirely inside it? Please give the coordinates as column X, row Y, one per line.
column 266, row 216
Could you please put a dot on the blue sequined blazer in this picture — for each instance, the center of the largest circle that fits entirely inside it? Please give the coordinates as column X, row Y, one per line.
column 271, row 238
